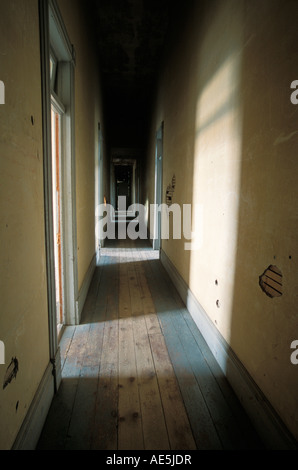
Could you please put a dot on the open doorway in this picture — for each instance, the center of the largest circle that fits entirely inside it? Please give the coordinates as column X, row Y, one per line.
column 56, row 116
column 158, row 187
column 124, row 183
column 57, row 73
column 124, row 180
column 99, row 196
column 58, row 69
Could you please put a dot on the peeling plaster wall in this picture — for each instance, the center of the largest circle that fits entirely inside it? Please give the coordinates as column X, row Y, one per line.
column 230, row 139
column 24, row 316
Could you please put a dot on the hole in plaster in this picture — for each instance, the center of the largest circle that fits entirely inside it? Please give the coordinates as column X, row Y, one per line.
column 216, row 282
column 271, row 281
column 170, row 191
column 32, row 120
column 11, row 372
column 217, row 304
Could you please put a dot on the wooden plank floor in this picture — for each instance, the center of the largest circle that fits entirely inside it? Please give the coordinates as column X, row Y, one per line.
column 136, row 373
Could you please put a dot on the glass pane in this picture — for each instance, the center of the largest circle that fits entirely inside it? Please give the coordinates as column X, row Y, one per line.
column 53, row 71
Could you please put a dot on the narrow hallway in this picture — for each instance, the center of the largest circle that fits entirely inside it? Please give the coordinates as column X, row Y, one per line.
column 178, row 119
column 136, row 373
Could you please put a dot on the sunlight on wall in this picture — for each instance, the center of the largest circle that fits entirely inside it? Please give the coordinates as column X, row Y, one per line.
column 217, row 165
column 147, row 212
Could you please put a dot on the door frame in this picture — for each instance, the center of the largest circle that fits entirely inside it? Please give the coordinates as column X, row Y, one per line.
column 99, row 196
column 53, row 36
column 158, row 187
column 57, row 113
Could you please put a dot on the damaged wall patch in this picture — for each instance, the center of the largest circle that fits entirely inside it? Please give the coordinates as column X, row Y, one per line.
column 11, row 372
column 271, row 282
column 170, row 191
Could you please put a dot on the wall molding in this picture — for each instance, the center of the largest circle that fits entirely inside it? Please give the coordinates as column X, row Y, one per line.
column 266, row 421
column 28, row 436
column 84, row 290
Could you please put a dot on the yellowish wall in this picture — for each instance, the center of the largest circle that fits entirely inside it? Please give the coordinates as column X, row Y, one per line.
column 231, row 140
column 87, row 116
column 24, row 311
column 24, row 317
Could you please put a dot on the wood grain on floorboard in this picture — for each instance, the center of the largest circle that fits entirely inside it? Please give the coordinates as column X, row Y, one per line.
column 136, row 373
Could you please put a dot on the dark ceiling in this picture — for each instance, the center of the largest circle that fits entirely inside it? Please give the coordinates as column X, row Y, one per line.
column 130, row 35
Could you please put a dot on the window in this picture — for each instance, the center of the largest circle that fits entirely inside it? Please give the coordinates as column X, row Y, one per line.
column 53, row 70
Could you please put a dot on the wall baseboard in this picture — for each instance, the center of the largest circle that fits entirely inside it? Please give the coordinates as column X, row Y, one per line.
column 33, row 423
column 266, row 421
column 84, row 289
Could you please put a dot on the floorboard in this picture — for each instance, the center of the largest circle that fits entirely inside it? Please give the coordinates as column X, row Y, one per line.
column 136, row 373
